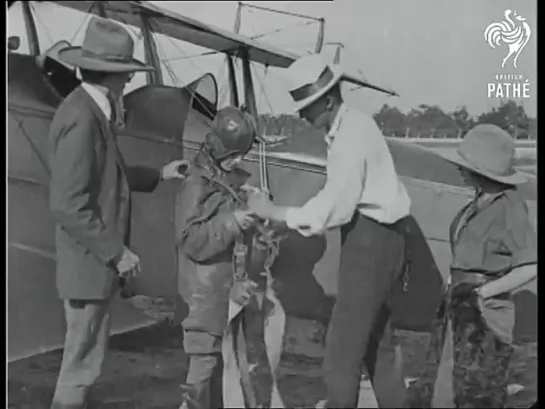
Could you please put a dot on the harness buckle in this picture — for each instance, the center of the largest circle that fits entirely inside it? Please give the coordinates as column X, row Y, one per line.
column 240, row 254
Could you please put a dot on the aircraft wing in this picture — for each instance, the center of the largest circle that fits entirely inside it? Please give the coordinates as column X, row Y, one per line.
column 184, row 28
column 363, row 83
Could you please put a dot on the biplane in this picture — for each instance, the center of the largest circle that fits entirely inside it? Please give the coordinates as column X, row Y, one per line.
column 164, row 122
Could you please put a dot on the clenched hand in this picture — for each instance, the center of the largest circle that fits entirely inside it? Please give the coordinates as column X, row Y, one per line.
column 242, row 290
column 175, row 170
column 245, row 219
column 259, row 204
column 129, row 264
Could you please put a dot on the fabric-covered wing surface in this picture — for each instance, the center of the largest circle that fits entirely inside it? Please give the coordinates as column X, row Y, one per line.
column 28, row 87
column 195, row 32
column 184, row 28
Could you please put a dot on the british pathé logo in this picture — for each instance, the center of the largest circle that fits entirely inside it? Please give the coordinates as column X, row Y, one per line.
column 514, row 32
column 511, row 86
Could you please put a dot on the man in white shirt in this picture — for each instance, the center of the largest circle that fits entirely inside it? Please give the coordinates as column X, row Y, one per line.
column 365, row 198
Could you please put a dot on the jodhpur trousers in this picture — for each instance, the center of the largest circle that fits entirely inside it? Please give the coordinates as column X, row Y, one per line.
column 204, row 376
column 360, row 337
column 85, row 346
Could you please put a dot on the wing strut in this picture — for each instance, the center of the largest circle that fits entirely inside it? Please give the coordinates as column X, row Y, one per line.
column 151, row 55
column 101, row 9
column 33, row 43
column 231, row 63
column 320, row 40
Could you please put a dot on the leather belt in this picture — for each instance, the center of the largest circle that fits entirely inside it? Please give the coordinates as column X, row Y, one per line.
column 460, row 276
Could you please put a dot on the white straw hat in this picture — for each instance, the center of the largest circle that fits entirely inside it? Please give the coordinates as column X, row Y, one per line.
column 310, row 78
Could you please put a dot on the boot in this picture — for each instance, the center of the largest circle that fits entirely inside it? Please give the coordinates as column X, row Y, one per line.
column 191, row 398
column 322, row 404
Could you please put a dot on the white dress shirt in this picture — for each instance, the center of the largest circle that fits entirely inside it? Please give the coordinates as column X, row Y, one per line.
column 360, row 176
column 99, row 97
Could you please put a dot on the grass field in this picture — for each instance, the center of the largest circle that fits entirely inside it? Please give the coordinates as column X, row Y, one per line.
column 145, row 369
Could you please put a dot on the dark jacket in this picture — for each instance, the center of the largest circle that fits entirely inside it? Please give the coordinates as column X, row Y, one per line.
column 89, row 197
column 206, row 231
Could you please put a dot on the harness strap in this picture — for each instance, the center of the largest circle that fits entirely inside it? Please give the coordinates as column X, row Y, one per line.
column 239, row 258
column 241, row 348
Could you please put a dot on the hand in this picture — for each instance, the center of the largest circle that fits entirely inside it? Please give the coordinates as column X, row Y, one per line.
column 259, row 203
column 175, row 170
column 245, row 219
column 482, row 292
column 481, row 296
column 129, row 264
column 249, row 189
column 242, row 290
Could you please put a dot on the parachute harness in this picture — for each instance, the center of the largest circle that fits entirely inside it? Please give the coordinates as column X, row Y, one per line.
column 267, row 239
column 273, row 244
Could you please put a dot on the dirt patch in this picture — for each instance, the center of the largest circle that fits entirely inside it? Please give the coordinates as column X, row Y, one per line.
column 145, row 369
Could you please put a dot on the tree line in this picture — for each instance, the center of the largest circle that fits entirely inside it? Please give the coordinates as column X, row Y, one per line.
column 425, row 121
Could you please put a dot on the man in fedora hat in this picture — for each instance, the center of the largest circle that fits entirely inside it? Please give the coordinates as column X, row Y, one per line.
column 90, row 201
column 494, row 253
column 365, row 198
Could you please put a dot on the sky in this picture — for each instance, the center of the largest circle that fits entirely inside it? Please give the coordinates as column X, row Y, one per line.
column 430, row 51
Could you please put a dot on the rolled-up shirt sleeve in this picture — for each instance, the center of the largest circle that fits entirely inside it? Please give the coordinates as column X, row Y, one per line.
column 520, row 238
column 335, row 204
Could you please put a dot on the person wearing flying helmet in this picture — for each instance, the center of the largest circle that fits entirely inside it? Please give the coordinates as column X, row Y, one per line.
column 208, row 222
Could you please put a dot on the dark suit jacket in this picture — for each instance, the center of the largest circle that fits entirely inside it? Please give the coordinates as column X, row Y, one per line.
column 89, row 197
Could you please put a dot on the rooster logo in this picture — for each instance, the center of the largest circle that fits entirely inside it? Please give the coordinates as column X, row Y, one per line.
column 515, row 35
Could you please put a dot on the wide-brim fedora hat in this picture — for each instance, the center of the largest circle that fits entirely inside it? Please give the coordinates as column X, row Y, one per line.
column 310, row 77
column 489, row 151
column 107, row 47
